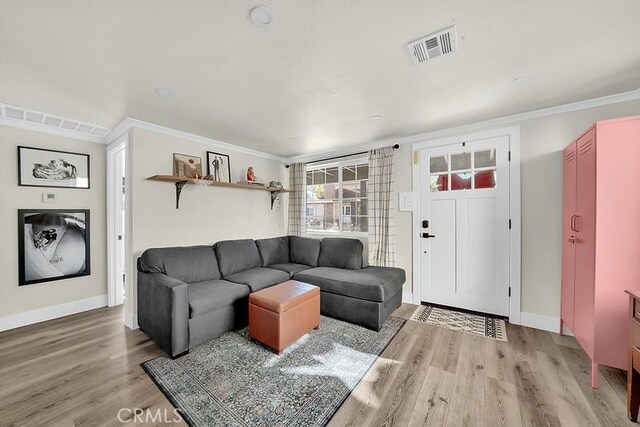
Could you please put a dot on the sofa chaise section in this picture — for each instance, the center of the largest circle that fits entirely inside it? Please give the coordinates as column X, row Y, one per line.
column 364, row 296
column 182, row 301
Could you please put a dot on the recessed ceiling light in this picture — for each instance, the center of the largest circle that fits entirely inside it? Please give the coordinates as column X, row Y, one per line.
column 261, row 16
column 164, row 91
column 376, row 117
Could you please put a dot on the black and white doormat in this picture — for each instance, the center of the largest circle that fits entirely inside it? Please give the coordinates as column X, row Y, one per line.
column 473, row 324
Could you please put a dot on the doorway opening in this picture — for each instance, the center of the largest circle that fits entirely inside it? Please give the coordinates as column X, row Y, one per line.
column 117, row 236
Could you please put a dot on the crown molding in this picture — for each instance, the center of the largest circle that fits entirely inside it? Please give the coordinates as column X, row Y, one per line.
column 130, row 123
column 498, row 122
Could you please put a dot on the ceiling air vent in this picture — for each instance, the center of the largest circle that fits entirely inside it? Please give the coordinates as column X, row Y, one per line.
column 17, row 115
column 434, row 45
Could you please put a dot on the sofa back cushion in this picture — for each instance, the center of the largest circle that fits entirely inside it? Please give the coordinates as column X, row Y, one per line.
column 341, row 253
column 235, row 256
column 304, row 250
column 188, row 264
column 274, row 251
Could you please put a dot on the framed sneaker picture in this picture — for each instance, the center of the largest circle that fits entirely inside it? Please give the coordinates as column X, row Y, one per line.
column 53, row 244
column 40, row 167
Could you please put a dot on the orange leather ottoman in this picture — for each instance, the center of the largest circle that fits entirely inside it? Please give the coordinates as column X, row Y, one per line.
column 281, row 314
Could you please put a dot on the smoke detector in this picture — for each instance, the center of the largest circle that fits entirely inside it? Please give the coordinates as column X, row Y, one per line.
column 427, row 48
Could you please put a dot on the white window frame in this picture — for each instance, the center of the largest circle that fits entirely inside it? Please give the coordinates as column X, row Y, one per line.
column 348, row 162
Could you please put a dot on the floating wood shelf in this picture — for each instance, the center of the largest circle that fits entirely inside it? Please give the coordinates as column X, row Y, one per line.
column 181, row 181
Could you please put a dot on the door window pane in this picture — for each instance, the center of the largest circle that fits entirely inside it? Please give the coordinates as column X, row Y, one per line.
column 460, row 161
column 439, row 164
column 460, row 181
column 485, row 179
column 484, row 159
column 438, row 183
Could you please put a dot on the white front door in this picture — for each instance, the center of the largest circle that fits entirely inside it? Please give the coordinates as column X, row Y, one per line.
column 464, row 236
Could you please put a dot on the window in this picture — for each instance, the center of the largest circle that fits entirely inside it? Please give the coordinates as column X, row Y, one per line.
column 337, row 198
column 462, row 171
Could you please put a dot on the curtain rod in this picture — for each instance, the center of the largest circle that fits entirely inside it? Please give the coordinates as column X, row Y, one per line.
column 395, row 147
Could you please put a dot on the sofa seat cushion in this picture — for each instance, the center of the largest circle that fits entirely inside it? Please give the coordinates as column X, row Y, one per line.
column 371, row 283
column 259, row 278
column 210, row 295
column 291, row 268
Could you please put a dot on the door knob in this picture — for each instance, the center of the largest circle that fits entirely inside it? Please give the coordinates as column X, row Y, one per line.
column 427, row 235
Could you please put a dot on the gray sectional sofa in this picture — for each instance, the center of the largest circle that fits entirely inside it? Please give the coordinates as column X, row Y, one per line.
column 189, row 295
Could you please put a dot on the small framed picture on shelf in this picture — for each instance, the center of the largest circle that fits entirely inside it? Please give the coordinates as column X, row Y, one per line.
column 40, row 167
column 218, row 167
column 186, row 165
column 53, row 244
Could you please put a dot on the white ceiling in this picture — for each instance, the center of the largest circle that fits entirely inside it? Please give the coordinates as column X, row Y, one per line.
column 319, row 72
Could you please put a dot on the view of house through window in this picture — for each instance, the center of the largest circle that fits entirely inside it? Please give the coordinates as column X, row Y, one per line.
column 337, row 198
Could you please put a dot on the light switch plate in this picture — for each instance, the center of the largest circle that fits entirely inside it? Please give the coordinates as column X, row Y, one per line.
column 49, row 198
column 406, row 201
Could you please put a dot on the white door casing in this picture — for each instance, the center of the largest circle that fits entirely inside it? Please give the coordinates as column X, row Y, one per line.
column 116, row 222
column 474, row 257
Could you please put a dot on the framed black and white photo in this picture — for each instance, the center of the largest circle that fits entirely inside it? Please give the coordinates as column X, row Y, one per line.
column 218, row 167
column 53, row 244
column 39, row 167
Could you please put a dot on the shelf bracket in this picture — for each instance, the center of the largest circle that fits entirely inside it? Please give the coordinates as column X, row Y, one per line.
column 179, row 186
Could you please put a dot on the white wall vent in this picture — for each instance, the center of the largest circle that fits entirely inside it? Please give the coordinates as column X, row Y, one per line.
column 428, row 48
column 23, row 117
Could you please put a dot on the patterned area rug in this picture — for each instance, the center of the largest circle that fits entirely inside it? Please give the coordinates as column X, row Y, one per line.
column 473, row 324
column 233, row 381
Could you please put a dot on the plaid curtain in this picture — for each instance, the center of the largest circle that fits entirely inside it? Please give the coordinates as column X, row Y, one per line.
column 382, row 250
column 297, row 199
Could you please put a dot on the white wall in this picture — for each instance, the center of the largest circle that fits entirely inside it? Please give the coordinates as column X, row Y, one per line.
column 17, row 301
column 206, row 214
column 542, row 142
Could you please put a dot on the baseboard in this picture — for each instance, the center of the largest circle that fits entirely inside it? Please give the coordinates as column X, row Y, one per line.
column 407, row 297
column 53, row 312
column 546, row 323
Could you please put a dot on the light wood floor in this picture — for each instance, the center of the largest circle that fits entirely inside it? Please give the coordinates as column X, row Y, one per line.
column 81, row 370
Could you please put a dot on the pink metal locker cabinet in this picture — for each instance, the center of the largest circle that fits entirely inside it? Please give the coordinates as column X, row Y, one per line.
column 601, row 238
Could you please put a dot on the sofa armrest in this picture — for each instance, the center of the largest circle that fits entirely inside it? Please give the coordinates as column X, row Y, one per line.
column 163, row 311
